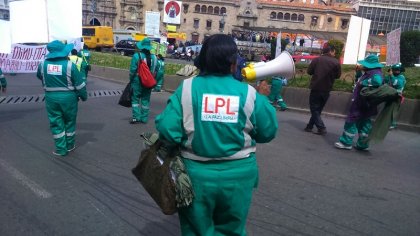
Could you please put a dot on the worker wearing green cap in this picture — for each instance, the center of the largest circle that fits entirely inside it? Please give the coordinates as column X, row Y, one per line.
column 141, row 96
column 64, row 86
column 396, row 79
column 359, row 117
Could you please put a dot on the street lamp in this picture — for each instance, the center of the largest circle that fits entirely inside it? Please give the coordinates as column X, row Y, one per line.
column 222, row 23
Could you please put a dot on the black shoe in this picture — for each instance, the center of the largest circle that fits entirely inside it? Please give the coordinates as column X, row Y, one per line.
column 308, row 129
column 134, row 121
column 322, row 131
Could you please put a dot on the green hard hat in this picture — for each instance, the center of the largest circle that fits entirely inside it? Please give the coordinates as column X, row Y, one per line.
column 396, row 66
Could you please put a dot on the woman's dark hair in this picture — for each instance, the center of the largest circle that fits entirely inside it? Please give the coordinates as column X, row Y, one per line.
column 217, row 55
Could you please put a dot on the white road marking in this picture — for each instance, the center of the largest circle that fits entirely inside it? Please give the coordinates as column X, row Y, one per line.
column 25, row 181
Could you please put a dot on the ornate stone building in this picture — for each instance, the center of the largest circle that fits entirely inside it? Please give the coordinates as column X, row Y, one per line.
column 200, row 18
column 4, row 10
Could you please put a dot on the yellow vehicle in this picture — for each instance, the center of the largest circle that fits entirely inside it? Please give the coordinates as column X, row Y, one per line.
column 98, row 37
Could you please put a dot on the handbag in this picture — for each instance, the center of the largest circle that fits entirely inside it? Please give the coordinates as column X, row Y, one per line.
column 125, row 99
column 154, row 173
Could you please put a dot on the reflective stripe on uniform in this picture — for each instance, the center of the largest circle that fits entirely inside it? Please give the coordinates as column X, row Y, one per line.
column 144, row 107
column 68, row 75
column 135, row 105
column 248, row 109
column 349, row 134
column 188, row 122
column 243, row 153
column 81, row 86
column 70, row 134
column 60, row 135
column 187, row 114
column 363, row 134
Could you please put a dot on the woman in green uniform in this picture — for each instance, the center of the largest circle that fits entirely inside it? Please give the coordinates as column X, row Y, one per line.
column 218, row 120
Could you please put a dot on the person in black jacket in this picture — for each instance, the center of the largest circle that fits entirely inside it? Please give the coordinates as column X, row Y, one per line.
column 324, row 71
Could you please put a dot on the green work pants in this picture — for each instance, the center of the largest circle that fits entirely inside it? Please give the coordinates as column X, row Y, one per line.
column 159, row 81
column 223, row 192
column 62, row 113
column 140, row 101
column 363, row 127
column 275, row 93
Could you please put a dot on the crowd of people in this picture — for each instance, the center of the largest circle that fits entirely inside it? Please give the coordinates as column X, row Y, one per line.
column 216, row 104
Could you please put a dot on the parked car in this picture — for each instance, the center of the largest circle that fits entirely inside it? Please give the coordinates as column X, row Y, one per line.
column 304, row 58
column 126, row 47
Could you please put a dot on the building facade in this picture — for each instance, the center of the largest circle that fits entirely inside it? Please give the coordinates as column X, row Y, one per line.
column 388, row 15
column 201, row 18
column 4, row 10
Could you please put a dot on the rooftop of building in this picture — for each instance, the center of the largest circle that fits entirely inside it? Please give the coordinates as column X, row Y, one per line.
column 319, row 6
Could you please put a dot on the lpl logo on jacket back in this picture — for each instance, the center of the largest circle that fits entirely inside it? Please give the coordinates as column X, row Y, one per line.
column 54, row 69
column 220, row 108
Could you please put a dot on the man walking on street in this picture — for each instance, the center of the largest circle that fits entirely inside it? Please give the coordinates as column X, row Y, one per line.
column 64, row 86
column 324, row 71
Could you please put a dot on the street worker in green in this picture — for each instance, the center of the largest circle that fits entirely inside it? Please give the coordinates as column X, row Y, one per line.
column 64, row 86
column 141, row 95
column 359, row 116
column 79, row 62
column 160, row 73
column 396, row 79
column 3, row 82
column 217, row 121
column 85, row 54
column 275, row 97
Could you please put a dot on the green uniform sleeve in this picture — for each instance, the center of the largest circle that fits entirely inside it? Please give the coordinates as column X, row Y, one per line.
column 78, row 82
column 375, row 81
column 133, row 66
column 264, row 116
column 169, row 123
column 39, row 71
column 3, row 82
column 397, row 82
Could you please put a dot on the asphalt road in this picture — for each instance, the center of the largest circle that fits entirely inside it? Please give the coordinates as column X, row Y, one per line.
column 306, row 186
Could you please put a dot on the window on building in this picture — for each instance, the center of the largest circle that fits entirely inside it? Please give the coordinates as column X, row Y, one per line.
column 216, row 10
column 210, row 10
column 196, row 23
column 280, row 16
column 314, row 20
column 301, row 18
column 208, row 24
column 194, row 37
column 294, row 17
column 287, row 16
column 246, row 24
column 203, row 9
column 197, row 8
column 223, row 10
column 273, row 15
column 344, row 23
column 185, row 20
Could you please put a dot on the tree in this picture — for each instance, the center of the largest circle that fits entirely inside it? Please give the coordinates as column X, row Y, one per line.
column 338, row 45
column 274, row 45
column 410, row 47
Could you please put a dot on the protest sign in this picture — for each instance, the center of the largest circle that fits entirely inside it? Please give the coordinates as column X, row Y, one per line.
column 23, row 58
